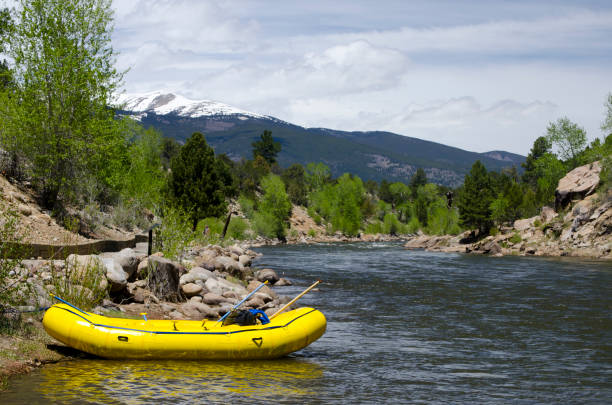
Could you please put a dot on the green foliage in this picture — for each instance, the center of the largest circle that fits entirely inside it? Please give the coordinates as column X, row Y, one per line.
column 442, row 220
column 63, row 68
column 606, row 126
column 340, row 204
column 475, row 199
column 392, row 225
column 169, row 149
column 515, row 238
column 175, row 234
column 248, row 174
column 540, row 147
column 294, row 178
column 400, row 193
column 274, row 208
column 549, row 171
column 266, row 147
column 384, row 191
column 247, row 205
column 568, row 138
column 237, row 228
column 317, row 175
column 199, row 182
column 312, row 233
column 419, row 179
column 84, row 287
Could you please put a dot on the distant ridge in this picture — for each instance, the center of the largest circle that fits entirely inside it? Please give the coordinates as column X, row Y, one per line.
column 372, row 155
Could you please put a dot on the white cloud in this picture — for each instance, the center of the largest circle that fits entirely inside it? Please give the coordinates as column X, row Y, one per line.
column 487, row 83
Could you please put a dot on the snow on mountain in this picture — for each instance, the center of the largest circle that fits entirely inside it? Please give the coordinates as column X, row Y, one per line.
column 168, row 103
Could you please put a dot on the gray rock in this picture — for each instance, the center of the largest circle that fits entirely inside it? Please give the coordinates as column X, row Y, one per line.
column 214, row 299
column 245, row 260
column 195, row 274
column 212, row 285
column 255, row 302
column 191, row 289
column 578, row 183
column 128, row 260
column 268, row 275
column 115, row 275
column 282, row 282
column 237, row 250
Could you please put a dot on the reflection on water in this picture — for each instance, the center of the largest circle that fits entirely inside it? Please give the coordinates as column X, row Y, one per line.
column 135, row 382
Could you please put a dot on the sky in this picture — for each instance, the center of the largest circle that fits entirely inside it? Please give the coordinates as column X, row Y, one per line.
column 479, row 75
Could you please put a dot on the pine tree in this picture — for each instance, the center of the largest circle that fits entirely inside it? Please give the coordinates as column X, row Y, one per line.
column 199, row 182
column 475, row 199
column 266, row 147
column 419, row 179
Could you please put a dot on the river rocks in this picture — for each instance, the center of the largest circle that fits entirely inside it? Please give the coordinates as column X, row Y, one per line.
column 268, row 275
column 245, row 260
column 195, row 274
column 191, row 289
column 282, row 282
column 547, row 214
column 214, row 299
column 524, row 224
column 163, row 280
column 115, row 275
column 128, row 260
column 578, row 183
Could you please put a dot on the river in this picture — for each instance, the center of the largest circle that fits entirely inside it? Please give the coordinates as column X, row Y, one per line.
column 403, row 327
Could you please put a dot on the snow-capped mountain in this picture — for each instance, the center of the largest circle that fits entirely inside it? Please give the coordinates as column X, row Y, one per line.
column 167, row 103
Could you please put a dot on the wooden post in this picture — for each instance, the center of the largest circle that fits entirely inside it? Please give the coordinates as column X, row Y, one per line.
column 227, row 221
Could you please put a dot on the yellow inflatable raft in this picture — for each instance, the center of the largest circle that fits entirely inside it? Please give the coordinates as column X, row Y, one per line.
column 166, row 339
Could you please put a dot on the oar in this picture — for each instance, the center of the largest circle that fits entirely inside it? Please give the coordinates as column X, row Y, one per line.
column 240, row 303
column 295, row 299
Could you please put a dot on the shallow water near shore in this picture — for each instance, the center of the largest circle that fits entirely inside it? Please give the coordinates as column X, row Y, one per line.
column 403, row 326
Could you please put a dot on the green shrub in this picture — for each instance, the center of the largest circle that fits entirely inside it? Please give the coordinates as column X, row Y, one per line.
column 175, row 234
column 312, row 233
column 392, row 225
column 375, row 227
column 84, row 287
column 264, row 224
column 237, row 228
column 413, row 225
column 247, row 205
column 516, row 238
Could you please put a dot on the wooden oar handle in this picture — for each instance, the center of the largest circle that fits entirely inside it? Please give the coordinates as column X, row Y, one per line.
column 295, row 299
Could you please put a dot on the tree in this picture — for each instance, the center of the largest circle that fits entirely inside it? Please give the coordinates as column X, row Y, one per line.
column 475, row 199
column 541, row 146
column 6, row 27
column 295, row 181
column 266, row 147
column 274, row 207
column 607, row 124
column 64, row 77
column 419, row 179
column 169, row 149
column 568, row 138
column 199, row 182
column 317, row 175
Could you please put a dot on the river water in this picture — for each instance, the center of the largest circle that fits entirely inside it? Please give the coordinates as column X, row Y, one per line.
column 403, row 327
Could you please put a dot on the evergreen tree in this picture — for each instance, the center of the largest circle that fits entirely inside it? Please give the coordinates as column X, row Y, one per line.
column 475, row 199
column 295, row 181
column 541, row 146
column 199, row 182
column 419, row 179
column 266, row 147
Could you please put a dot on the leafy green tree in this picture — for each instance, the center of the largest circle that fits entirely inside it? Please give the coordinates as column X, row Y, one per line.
column 541, row 146
column 400, row 193
column 475, row 199
column 199, row 182
column 384, row 191
column 266, row 147
column 606, row 126
column 317, row 175
column 568, row 138
column 295, row 180
column 63, row 65
column 274, row 207
column 6, row 27
column 549, row 171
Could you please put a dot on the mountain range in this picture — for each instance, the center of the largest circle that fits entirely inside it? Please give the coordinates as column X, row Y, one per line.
column 372, row 155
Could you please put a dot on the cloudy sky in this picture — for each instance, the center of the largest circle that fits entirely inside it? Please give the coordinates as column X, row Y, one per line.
column 479, row 75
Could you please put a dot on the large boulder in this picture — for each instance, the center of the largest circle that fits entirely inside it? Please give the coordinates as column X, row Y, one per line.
column 524, row 224
column 577, row 184
column 115, row 274
column 191, row 289
column 129, row 260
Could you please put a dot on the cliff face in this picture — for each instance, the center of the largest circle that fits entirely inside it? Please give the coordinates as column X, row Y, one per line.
column 582, row 226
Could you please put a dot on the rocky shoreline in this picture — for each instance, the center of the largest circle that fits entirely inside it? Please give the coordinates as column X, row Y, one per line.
column 583, row 230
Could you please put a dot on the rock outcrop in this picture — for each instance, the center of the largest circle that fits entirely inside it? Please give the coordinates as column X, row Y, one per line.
column 577, row 184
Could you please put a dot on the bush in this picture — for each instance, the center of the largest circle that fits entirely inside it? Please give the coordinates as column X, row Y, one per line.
column 375, row 227
column 264, row 224
column 516, row 238
column 237, row 228
column 312, row 233
column 84, row 287
column 247, row 205
column 175, row 234
column 274, row 207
